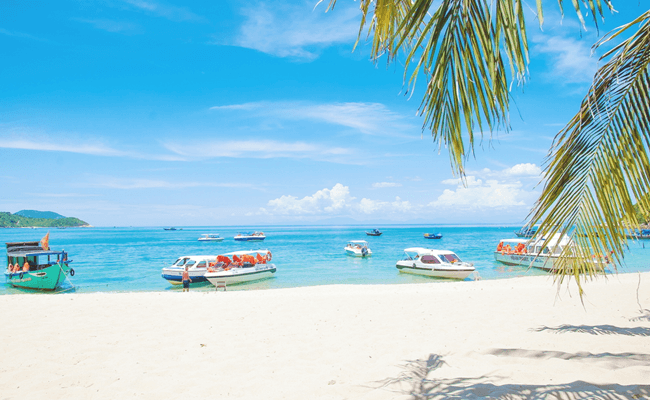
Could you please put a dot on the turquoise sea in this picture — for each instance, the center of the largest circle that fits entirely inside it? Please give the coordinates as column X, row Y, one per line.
column 130, row 259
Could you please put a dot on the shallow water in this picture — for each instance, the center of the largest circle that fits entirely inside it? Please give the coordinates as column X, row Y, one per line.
column 130, row 259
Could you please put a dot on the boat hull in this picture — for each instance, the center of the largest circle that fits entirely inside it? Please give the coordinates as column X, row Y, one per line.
column 249, row 239
column 49, row 278
column 211, row 240
column 357, row 253
column 526, row 260
column 175, row 275
column 408, row 267
column 241, row 275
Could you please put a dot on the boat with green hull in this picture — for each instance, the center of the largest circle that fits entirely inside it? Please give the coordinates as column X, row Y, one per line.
column 39, row 268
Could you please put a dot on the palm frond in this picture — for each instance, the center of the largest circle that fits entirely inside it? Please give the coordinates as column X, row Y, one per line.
column 460, row 48
column 599, row 164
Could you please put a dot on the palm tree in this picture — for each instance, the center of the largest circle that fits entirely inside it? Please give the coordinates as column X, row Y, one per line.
column 598, row 165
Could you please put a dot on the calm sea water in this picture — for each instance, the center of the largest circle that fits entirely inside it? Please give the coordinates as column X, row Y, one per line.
column 130, row 259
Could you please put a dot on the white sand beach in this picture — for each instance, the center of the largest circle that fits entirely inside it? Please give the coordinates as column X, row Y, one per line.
column 514, row 338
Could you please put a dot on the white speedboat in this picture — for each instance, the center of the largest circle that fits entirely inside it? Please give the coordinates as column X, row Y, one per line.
column 250, row 237
column 210, row 237
column 435, row 263
column 241, row 266
column 197, row 267
column 358, row 248
column 529, row 253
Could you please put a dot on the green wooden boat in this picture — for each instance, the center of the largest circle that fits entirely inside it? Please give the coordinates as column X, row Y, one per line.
column 47, row 268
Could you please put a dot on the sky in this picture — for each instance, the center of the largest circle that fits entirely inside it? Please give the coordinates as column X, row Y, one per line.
column 204, row 113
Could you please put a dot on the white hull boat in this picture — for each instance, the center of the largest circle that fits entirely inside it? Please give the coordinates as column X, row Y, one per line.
column 197, row 267
column 250, row 237
column 241, row 266
column 434, row 263
column 358, row 248
column 211, row 237
column 532, row 253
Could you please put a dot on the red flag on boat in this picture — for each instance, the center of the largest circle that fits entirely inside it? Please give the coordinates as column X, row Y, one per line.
column 45, row 242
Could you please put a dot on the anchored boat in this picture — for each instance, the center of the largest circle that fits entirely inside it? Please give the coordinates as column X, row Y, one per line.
column 434, row 263
column 358, row 248
column 538, row 253
column 32, row 265
column 197, row 267
column 210, row 237
column 250, row 237
column 241, row 266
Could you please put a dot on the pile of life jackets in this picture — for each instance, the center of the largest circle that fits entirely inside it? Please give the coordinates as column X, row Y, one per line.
column 507, row 249
column 226, row 263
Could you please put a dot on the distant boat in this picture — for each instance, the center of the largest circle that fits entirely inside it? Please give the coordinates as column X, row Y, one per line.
column 374, row 232
column 170, row 229
column 357, row 248
column 210, row 237
column 433, row 235
column 250, row 237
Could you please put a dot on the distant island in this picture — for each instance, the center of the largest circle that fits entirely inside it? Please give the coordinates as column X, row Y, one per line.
column 40, row 219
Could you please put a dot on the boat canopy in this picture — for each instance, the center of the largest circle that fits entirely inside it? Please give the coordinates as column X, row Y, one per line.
column 357, row 242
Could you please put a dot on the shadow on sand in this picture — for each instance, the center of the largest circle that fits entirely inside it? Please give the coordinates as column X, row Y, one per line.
column 416, row 382
column 597, row 330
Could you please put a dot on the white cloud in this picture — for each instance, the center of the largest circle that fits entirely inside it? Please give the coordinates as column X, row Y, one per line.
column 172, row 13
column 525, row 169
column 386, row 184
column 296, row 29
column 368, row 118
column 258, row 149
column 72, row 146
column 111, row 26
column 368, row 206
column 325, row 201
column 571, row 60
column 484, row 195
column 135, row 183
column 334, row 202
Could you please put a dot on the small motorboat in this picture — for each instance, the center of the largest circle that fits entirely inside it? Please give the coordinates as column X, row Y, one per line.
column 32, row 265
column 250, row 237
column 433, row 235
column 434, row 263
column 374, row 232
column 358, row 248
column 170, row 229
column 240, row 267
column 197, row 267
column 210, row 237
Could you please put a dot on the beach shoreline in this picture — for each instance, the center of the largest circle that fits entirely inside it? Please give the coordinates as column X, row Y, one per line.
column 519, row 337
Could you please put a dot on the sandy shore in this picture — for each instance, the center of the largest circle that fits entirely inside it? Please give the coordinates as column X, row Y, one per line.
column 515, row 338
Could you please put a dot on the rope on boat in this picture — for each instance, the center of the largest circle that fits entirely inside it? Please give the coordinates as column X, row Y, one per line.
column 66, row 278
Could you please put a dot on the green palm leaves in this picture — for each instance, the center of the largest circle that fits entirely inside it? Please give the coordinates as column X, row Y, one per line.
column 471, row 51
column 598, row 166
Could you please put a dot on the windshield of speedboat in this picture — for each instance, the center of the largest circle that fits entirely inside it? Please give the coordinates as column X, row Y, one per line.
column 452, row 258
column 190, row 263
column 430, row 259
column 410, row 255
column 180, row 262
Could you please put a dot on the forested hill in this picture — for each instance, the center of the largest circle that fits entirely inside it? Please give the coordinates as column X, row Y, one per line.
column 9, row 220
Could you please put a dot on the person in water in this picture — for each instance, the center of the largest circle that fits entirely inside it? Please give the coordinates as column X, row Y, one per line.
column 186, row 280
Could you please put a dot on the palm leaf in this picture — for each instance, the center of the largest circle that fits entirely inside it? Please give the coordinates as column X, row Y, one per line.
column 599, row 165
column 460, row 48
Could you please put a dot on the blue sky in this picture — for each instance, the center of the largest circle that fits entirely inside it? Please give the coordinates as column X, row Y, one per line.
column 155, row 113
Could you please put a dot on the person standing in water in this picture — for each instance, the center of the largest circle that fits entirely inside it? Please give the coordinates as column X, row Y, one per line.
column 186, row 280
